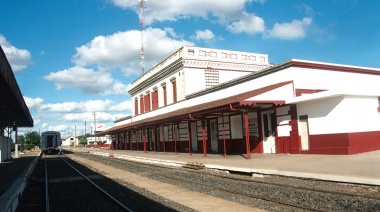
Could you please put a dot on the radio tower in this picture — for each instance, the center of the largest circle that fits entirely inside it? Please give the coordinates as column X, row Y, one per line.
column 142, row 34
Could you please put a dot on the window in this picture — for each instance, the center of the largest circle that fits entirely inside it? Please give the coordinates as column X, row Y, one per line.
column 147, row 102
column 141, row 104
column 136, row 106
column 174, row 83
column 236, row 127
column 154, row 99
column 164, row 93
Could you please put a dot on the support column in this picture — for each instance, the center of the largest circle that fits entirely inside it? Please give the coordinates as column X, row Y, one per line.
column 248, row 146
column 16, row 144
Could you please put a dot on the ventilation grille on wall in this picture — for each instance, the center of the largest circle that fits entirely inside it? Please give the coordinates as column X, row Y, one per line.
column 212, row 78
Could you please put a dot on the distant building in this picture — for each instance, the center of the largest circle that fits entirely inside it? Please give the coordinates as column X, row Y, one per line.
column 94, row 140
column 70, row 141
column 227, row 102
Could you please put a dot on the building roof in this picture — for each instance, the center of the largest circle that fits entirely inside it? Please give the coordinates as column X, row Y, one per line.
column 231, row 103
column 13, row 109
column 228, row 104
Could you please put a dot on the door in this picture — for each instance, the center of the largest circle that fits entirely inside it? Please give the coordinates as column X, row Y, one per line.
column 194, row 137
column 269, row 131
column 304, row 129
column 158, row 139
column 150, row 139
column 214, row 135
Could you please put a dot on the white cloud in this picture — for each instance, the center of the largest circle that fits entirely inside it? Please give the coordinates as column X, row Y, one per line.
column 87, row 80
column 100, row 117
column 87, row 106
column 116, row 88
column 33, row 103
column 203, row 35
column 172, row 10
column 290, row 31
column 248, row 23
column 123, row 49
column 19, row 59
column 121, row 107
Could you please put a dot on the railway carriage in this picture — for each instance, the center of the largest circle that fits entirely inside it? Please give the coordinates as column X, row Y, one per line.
column 50, row 140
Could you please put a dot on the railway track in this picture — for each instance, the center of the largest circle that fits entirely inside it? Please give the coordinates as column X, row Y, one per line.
column 62, row 187
column 282, row 194
column 60, row 184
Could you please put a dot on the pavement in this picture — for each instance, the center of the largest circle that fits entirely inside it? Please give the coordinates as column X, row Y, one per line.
column 13, row 177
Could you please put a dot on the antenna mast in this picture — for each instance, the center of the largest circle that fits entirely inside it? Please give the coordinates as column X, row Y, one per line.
column 142, row 34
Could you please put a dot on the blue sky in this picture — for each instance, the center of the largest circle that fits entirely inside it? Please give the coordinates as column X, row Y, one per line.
column 72, row 58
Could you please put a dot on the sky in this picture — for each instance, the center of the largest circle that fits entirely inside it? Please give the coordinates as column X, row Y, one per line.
column 74, row 60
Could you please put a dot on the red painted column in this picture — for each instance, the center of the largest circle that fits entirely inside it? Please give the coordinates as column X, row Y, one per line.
column 248, row 146
column 188, row 135
column 204, row 139
column 144, row 140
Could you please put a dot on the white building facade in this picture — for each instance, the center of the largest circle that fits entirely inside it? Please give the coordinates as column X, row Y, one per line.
column 70, row 141
column 220, row 101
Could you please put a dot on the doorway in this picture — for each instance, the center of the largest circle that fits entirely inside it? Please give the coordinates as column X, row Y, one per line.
column 214, row 135
column 269, row 131
column 194, row 137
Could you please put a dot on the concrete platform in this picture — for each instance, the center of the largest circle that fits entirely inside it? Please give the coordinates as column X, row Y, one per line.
column 361, row 168
column 13, row 177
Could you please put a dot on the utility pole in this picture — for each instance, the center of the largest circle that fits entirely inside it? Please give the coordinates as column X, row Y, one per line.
column 95, row 125
column 142, row 34
column 75, row 135
column 85, row 127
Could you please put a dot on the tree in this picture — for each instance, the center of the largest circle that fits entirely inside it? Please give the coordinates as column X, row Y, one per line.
column 32, row 138
column 83, row 139
column 20, row 139
column 21, row 142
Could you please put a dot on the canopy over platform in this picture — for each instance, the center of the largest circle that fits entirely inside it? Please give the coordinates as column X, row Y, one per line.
column 13, row 109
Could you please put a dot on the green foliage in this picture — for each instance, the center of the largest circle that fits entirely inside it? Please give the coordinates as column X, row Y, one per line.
column 27, row 147
column 21, row 139
column 32, row 138
column 83, row 138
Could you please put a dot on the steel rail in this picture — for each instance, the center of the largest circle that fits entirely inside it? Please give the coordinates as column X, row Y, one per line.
column 47, row 207
column 98, row 187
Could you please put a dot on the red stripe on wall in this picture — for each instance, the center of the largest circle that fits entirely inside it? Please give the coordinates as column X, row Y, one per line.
column 344, row 143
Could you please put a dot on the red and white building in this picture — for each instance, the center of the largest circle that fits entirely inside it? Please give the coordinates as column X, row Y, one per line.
column 219, row 101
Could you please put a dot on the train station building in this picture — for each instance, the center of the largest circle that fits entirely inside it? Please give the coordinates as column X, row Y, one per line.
column 226, row 102
column 13, row 110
